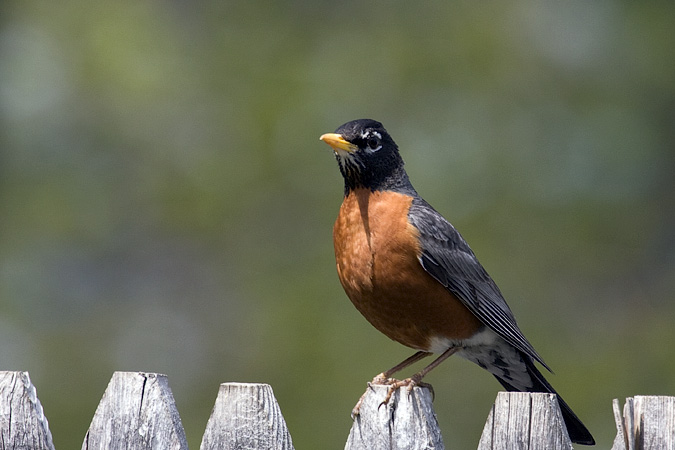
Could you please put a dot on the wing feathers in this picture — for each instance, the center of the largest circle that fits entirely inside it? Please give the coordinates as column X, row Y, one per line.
column 447, row 257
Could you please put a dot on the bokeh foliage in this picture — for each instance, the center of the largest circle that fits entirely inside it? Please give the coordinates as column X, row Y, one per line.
column 166, row 205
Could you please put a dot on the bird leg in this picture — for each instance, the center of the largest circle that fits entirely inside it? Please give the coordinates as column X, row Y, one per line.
column 384, row 378
column 416, row 380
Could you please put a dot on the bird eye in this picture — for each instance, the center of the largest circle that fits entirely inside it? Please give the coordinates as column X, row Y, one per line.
column 373, row 143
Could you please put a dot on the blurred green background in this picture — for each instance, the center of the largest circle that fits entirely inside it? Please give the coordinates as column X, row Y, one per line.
column 166, row 205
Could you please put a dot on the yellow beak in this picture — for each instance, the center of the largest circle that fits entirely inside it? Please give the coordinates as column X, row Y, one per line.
column 338, row 142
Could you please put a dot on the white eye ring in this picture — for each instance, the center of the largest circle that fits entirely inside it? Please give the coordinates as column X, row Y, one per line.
column 372, row 136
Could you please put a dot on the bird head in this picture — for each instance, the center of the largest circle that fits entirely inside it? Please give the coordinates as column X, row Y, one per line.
column 367, row 155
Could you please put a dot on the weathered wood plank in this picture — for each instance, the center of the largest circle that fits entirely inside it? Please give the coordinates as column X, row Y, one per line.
column 621, row 441
column 246, row 416
column 648, row 422
column 407, row 422
column 523, row 420
column 23, row 425
column 137, row 411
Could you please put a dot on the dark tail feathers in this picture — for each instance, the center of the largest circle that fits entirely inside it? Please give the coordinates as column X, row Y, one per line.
column 578, row 432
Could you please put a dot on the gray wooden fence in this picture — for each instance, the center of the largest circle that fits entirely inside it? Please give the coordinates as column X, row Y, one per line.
column 138, row 411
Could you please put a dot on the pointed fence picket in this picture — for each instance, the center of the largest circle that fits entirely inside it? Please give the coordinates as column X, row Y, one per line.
column 138, row 411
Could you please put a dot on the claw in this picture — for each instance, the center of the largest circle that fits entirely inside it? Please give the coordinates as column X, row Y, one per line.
column 416, row 380
column 356, row 410
column 410, row 383
column 394, row 384
column 431, row 389
column 380, row 379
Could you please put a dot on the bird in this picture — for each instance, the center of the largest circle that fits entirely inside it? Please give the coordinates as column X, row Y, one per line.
column 411, row 274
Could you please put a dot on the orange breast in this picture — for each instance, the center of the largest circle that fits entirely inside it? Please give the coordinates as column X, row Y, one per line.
column 376, row 252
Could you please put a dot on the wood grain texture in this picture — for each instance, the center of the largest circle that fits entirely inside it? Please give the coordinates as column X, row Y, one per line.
column 246, row 416
column 524, row 420
column 407, row 422
column 23, row 425
column 648, row 422
column 137, row 411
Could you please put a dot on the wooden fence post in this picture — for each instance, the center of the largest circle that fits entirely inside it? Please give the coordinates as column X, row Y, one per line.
column 23, row 425
column 407, row 422
column 648, row 422
column 137, row 411
column 246, row 416
column 525, row 420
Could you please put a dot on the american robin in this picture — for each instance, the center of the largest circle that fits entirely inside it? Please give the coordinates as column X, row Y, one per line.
column 414, row 278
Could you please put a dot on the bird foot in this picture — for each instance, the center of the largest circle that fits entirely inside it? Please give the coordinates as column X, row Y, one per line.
column 393, row 384
column 379, row 379
column 410, row 383
column 356, row 410
column 382, row 379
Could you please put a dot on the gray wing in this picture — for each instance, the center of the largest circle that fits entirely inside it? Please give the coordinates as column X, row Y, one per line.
column 447, row 257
